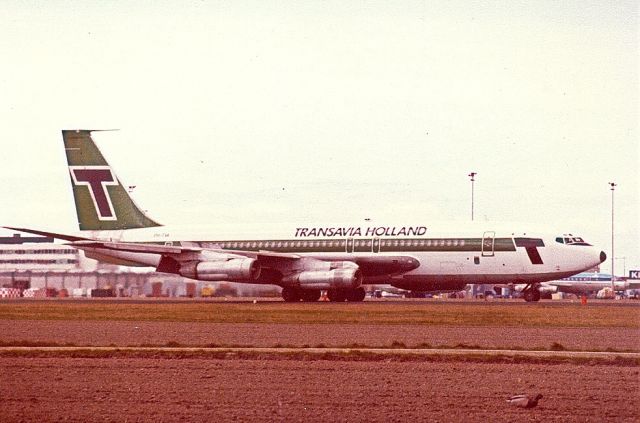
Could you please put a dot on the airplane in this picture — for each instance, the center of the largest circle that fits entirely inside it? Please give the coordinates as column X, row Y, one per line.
column 588, row 283
column 306, row 259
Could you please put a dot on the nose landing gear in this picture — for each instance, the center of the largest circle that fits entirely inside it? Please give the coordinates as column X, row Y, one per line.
column 531, row 292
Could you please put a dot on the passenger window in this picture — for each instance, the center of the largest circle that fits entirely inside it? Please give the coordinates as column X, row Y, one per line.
column 560, row 240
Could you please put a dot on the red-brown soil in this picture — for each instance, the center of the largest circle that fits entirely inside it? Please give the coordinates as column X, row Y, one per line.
column 194, row 390
column 304, row 388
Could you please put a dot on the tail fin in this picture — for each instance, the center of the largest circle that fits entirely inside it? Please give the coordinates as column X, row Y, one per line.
column 102, row 203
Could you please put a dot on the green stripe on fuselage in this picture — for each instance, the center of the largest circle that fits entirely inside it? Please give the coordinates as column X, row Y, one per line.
column 362, row 245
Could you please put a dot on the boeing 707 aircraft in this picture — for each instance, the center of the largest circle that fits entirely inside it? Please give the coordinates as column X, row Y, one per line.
column 306, row 259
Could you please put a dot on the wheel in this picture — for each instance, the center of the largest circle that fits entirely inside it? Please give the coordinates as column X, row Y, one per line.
column 536, row 294
column 532, row 294
column 336, row 295
column 527, row 295
column 310, row 295
column 290, row 295
column 356, row 295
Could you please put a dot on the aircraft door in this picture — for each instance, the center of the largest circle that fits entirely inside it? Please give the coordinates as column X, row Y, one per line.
column 349, row 245
column 376, row 245
column 488, row 244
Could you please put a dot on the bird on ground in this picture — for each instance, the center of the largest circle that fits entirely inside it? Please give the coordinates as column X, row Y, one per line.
column 524, row 401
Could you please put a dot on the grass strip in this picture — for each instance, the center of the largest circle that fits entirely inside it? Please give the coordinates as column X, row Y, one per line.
column 372, row 313
column 351, row 356
column 555, row 346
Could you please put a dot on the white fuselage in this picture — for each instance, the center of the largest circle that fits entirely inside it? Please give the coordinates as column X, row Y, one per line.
column 477, row 253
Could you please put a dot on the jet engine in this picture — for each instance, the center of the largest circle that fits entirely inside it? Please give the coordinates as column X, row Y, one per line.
column 237, row 269
column 342, row 278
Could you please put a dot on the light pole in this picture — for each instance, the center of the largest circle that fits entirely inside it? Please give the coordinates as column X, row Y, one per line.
column 613, row 186
column 472, row 176
column 624, row 264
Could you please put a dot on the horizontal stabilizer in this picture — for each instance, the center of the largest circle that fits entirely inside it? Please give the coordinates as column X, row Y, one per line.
column 133, row 247
column 64, row 237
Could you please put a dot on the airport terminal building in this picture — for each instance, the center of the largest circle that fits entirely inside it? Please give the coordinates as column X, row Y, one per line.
column 37, row 263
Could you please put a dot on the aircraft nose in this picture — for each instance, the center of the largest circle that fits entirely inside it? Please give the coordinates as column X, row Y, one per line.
column 603, row 256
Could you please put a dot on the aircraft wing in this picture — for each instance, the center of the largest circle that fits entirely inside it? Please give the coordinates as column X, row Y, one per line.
column 561, row 283
column 173, row 250
column 370, row 266
column 262, row 254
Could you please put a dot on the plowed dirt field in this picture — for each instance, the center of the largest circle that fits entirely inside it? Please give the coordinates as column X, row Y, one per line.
column 162, row 390
column 297, row 387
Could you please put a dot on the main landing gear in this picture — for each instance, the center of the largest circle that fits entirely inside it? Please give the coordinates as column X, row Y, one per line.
column 351, row 295
column 531, row 292
column 292, row 295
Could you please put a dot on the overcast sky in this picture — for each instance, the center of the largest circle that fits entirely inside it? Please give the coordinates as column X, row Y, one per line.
column 330, row 111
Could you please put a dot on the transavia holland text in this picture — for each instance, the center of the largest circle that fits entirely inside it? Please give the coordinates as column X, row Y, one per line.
column 353, row 231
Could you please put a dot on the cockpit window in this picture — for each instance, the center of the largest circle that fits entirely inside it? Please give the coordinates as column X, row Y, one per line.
column 572, row 240
column 579, row 241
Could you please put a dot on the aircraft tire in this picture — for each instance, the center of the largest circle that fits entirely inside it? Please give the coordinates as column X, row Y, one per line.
column 531, row 294
column 310, row 295
column 356, row 295
column 336, row 295
column 290, row 295
column 536, row 294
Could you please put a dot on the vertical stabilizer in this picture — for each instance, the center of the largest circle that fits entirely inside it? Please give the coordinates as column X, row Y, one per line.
column 102, row 203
